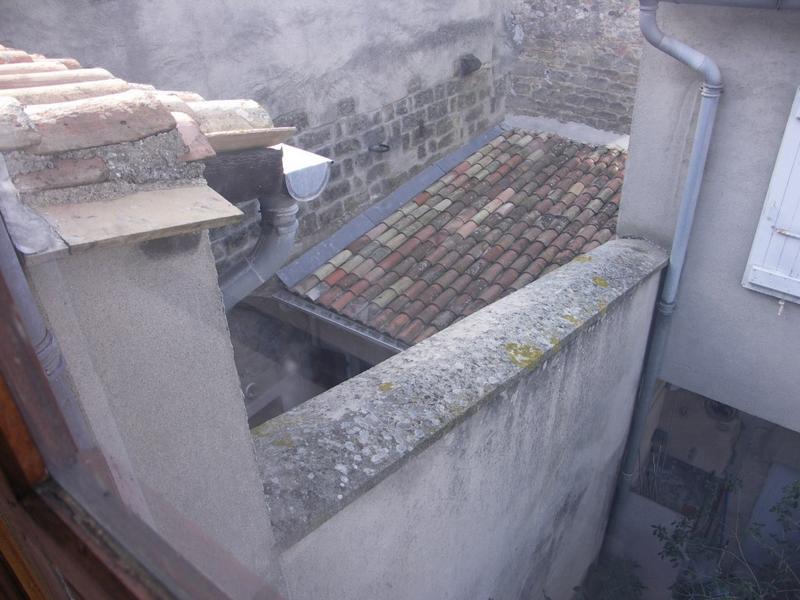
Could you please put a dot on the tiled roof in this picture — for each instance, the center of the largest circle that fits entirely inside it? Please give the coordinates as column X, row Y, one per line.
column 517, row 208
column 51, row 105
column 72, row 136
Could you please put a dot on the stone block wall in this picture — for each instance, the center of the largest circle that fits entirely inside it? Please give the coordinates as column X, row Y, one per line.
column 574, row 61
column 375, row 151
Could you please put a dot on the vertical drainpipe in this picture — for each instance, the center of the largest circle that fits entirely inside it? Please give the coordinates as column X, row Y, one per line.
column 710, row 93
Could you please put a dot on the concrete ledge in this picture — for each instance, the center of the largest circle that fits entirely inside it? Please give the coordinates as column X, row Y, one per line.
column 326, row 453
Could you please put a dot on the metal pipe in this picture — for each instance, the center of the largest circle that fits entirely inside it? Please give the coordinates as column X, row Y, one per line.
column 280, row 177
column 278, row 228
column 710, row 94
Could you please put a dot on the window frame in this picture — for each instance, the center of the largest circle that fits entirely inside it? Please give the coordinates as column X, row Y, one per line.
column 760, row 275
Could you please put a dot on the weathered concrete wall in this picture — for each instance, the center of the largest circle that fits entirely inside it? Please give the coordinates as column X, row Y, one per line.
column 727, row 342
column 574, row 61
column 481, row 462
column 347, row 74
column 145, row 339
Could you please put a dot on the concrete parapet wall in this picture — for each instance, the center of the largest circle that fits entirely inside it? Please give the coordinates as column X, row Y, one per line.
column 479, row 463
column 146, row 343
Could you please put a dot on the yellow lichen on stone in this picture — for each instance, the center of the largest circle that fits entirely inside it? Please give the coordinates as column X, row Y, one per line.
column 572, row 319
column 523, row 355
column 283, row 443
column 600, row 282
column 582, row 258
column 602, row 307
column 386, row 387
column 555, row 343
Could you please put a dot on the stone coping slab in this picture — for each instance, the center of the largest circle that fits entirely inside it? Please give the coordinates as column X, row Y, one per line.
column 137, row 217
column 317, row 458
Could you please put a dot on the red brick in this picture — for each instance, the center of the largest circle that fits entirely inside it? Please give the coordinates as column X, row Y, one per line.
column 491, row 293
column 414, row 308
column 377, row 231
column 64, row 173
column 342, row 301
column 391, row 261
column 445, row 297
column 449, row 277
column 411, row 331
column 461, row 282
column 492, row 272
column 426, row 333
column 397, row 323
column 335, row 277
column 415, row 289
column 328, row 297
column 425, row 233
column 507, row 278
column 507, row 258
column 428, row 313
column 408, row 246
column 360, row 287
column 430, row 293
column 422, row 198
column 382, row 319
column 375, row 274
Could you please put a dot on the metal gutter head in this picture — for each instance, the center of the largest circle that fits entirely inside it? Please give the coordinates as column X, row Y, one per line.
column 306, row 174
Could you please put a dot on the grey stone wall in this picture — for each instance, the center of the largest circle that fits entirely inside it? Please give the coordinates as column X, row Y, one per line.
column 419, row 128
column 574, row 61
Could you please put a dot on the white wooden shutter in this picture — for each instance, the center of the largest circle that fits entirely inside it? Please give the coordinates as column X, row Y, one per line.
column 774, row 264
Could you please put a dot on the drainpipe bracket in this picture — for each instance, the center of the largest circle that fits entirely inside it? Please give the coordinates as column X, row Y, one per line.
column 710, row 90
column 665, row 308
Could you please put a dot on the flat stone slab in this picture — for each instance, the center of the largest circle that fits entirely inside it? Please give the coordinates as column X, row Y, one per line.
column 317, row 458
column 137, row 217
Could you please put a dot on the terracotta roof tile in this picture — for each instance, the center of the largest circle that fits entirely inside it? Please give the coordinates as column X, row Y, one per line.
column 519, row 207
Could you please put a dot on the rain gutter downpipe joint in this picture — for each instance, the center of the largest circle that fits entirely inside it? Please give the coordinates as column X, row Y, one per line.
column 280, row 177
column 710, row 92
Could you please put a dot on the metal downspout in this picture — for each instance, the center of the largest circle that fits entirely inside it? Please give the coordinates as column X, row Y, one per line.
column 278, row 228
column 710, row 94
column 280, row 177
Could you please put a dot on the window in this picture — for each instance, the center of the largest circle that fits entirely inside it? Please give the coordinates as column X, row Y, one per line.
column 774, row 264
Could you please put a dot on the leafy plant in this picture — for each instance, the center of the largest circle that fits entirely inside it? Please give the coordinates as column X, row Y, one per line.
column 722, row 570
